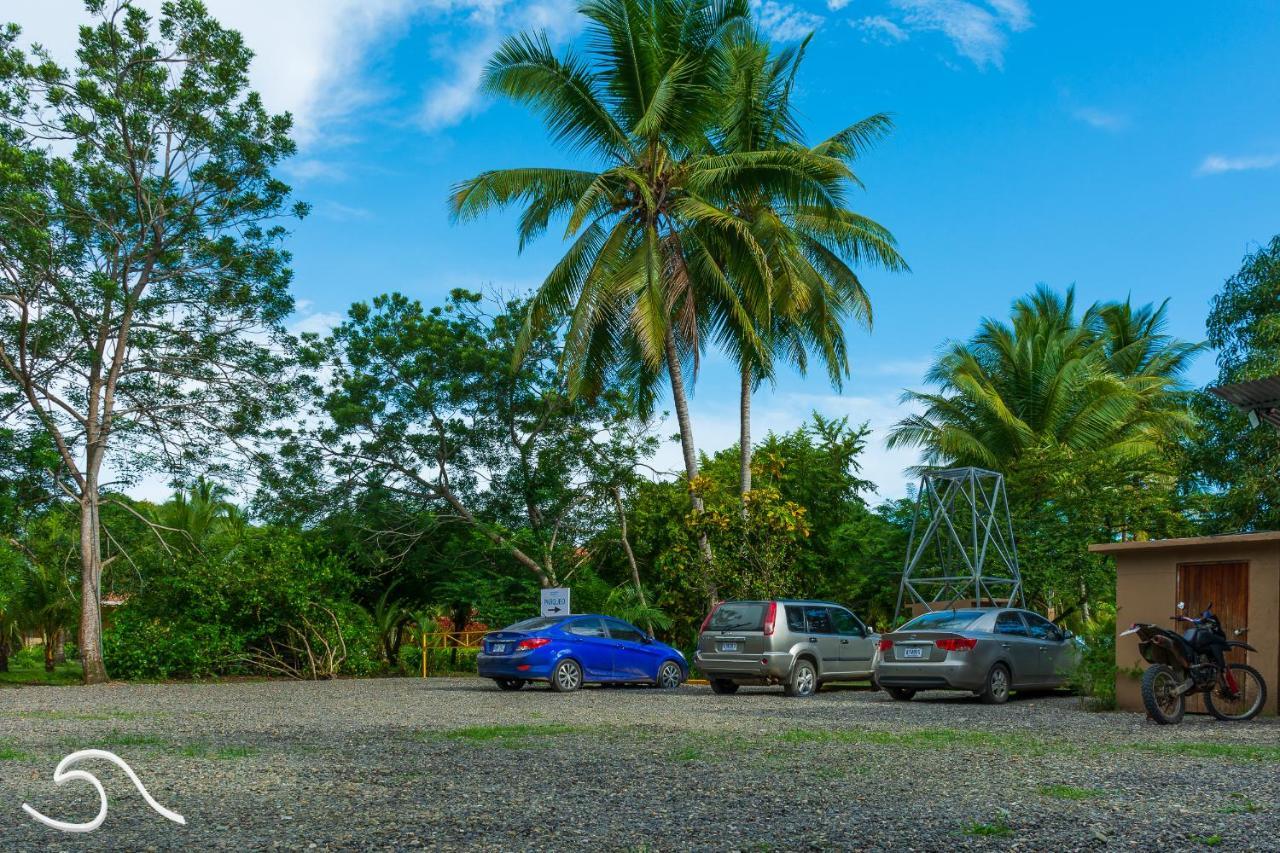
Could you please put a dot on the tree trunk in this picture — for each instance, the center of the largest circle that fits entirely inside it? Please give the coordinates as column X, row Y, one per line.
column 744, row 436
column 60, row 647
column 4, row 655
column 631, row 558
column 95, row 669
column 681, row 403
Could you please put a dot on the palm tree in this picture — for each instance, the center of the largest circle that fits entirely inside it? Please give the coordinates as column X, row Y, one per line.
column 1107, row 383
column 643, row 280
column 201, row 509
column 809, row 247
column 48, row 604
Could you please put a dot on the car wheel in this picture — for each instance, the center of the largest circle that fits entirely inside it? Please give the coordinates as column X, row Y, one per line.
column 670, row 675
column 803, row 680
column 996, row 691
column 1160, row 695
column 902, row 694
column 567, row 676
column 723, row 686
column 509, row 683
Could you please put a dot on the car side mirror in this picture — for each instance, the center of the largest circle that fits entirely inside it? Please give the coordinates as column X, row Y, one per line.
column 1066, row 635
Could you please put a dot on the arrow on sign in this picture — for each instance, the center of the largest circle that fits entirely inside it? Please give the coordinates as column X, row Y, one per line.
column 554, row 609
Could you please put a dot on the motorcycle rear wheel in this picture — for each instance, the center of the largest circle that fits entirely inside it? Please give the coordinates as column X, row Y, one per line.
column 1163, row 705
column 1251, row 696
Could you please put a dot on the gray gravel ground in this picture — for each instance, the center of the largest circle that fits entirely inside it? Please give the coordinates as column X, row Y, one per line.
column 454, row 763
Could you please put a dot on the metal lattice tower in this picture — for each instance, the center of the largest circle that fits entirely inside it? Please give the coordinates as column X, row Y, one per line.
column 961, row 549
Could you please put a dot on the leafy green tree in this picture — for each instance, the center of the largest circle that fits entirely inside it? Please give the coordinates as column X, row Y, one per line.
column 143, row 280
column 1231, row 464
column 426, row 404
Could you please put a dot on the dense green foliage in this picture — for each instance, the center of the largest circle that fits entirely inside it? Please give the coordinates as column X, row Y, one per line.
column 1231, row 464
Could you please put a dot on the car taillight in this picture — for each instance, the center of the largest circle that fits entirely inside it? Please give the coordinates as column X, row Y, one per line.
column 770, row 617
column 707, row 621
column 885, row 645
column 956, row 644
column 532, row 643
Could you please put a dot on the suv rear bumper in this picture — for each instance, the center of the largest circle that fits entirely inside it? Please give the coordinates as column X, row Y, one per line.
column 763, row 668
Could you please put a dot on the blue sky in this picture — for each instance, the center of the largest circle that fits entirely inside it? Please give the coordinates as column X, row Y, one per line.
column 1128, row 148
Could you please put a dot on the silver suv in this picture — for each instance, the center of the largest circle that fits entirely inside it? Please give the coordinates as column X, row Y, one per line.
column 798, row 644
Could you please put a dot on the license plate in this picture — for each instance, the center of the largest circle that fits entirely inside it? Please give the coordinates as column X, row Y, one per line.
column 728, row 647
column 498, row 648
column 910, row 652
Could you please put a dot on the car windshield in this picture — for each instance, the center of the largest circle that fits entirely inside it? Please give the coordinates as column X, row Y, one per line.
column 537, row 623
column 738, row 616
column 943, row 620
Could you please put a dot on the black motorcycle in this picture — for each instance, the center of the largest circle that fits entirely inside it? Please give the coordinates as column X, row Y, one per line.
column 1195, row 662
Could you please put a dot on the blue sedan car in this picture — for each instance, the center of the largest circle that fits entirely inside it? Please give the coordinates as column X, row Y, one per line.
column 568, row 651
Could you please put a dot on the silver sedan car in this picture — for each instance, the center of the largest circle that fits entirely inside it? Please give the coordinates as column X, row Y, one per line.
column 987, row 650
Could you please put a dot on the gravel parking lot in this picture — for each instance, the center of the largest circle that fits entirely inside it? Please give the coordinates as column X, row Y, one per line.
column 454, row 763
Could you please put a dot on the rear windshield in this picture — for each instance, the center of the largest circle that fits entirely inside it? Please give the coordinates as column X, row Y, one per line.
column 738, row 616
column 537, row 623
column 943, row 620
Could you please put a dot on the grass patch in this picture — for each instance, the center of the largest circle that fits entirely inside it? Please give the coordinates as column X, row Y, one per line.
column 110, row 739
column 998, row 828
column 1241, row 805
column 79, row 715
column 1070, row 792
column 688, row 753
column 26, row 667
column 1197, row 749
column 1207, row 840
column 8, row 753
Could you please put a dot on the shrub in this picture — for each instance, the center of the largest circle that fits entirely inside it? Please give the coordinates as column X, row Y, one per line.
column 1095, row 679
column 254, row 605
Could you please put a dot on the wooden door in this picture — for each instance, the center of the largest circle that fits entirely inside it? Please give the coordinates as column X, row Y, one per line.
column 1226, row 587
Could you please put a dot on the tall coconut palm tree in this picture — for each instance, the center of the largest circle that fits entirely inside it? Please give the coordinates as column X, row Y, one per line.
column 1106, row 383
column 814, row 292
column 643, row 280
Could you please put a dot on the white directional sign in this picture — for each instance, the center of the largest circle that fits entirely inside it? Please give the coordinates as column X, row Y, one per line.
column 555, row 601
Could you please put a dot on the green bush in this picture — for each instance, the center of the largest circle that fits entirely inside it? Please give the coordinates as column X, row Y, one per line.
column 1095, row 679
column 248, row 607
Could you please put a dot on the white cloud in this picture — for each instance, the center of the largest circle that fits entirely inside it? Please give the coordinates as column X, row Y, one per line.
column 837, row 5
column 979, row 32
column 465, row 54
column 340, row 212
column 311, row 169
column 784, row 22
column 881, row 28
column 1101, row 119
column 1216, row 164
column 309, row 57
column 320, row 323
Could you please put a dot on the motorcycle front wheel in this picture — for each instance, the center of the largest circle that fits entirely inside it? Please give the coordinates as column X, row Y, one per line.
column 1251, row 695
column 1159, row 694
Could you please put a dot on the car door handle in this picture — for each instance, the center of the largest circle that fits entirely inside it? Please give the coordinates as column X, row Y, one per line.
column 844, row 642
column 1006, row 645
column 813, row 639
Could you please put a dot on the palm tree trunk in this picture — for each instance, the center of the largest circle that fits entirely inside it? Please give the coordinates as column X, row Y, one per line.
column 681, row 402
column 744, row 435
